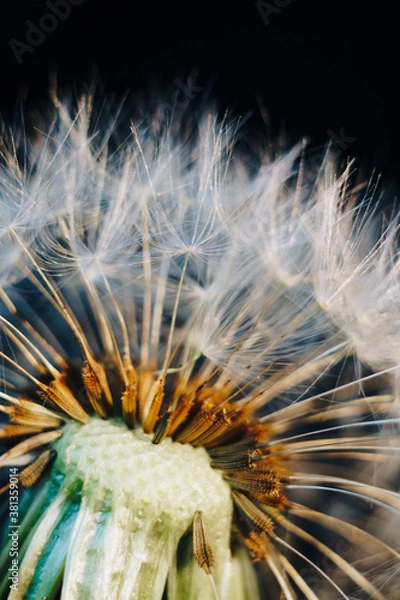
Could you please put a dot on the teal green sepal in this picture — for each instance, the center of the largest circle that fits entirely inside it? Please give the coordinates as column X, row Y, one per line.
column 31, row 506
column 49, row 570
column 33, row 503
column 45, row 548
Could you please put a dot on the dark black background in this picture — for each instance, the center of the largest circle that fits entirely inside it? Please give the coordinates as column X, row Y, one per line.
column 321, row 68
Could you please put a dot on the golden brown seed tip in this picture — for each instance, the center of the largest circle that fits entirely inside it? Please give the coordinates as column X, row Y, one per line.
column 30, row 475
column 201, row 546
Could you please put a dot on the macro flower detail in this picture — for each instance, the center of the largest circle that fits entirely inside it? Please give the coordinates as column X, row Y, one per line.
column 198, row 376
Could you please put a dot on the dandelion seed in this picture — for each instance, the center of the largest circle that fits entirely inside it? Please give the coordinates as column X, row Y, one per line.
column 180, row 347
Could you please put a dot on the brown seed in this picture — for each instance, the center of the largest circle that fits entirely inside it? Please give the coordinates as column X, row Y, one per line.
column 201, row 546
column 30, row 475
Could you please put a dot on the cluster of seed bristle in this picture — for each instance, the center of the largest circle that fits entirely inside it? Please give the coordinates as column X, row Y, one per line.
column 203, row 415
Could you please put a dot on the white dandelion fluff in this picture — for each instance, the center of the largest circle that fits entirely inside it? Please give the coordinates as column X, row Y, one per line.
column 356, row 275
column 180, row 343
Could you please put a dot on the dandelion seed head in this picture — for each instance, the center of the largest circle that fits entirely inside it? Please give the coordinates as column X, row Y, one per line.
column 181, row 342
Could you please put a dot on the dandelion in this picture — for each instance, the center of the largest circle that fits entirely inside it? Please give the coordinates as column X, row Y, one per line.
column 197, row 368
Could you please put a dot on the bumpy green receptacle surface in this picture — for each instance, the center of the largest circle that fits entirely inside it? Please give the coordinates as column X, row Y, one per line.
column 117, row 525
column 167, row 480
